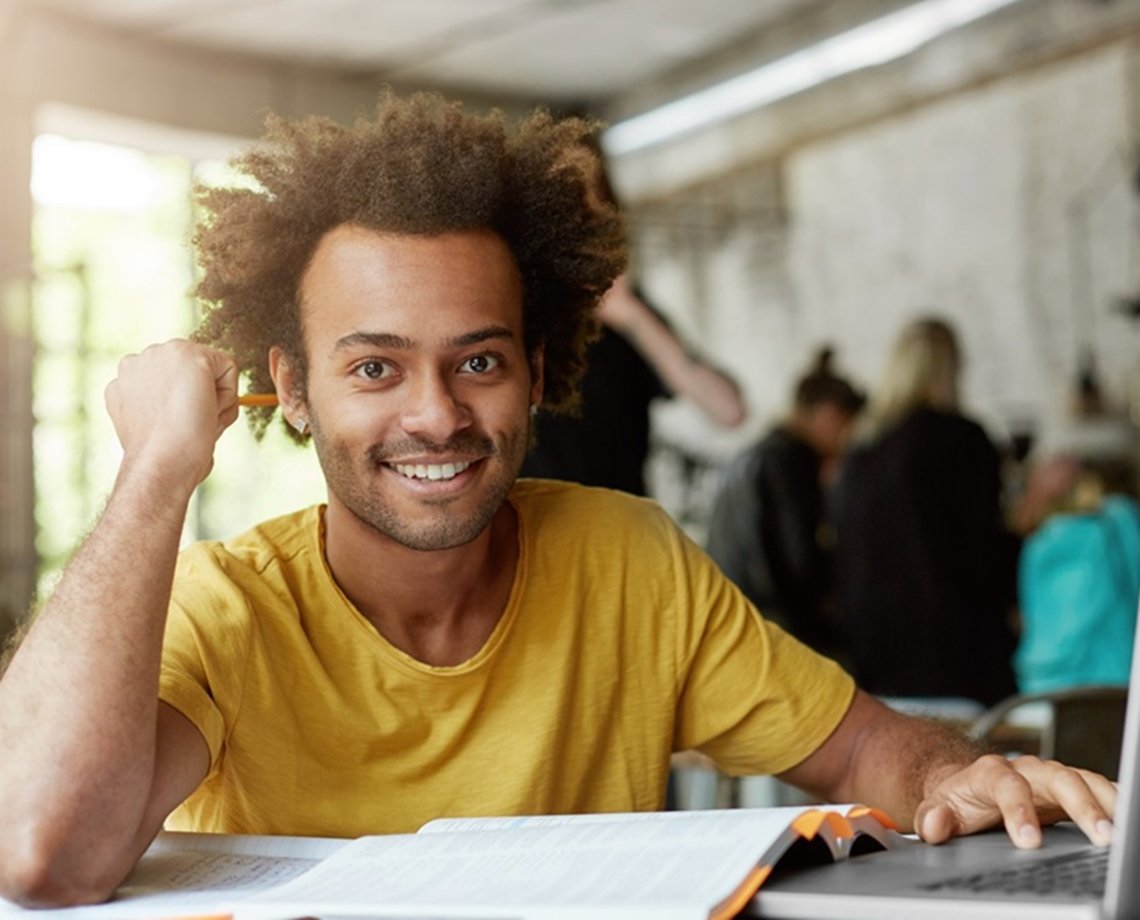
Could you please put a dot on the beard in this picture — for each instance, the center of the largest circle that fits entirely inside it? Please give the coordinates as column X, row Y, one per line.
column 359, row 485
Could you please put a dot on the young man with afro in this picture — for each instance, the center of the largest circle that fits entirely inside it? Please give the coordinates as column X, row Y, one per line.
column 440, row 638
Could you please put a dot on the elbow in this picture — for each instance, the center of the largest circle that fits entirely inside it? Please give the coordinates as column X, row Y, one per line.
column 735, row 415
column 732, row 410
column 728, row 413
column 36, row 875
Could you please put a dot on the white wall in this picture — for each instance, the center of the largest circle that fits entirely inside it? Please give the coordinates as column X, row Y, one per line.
column 970, row 206
column 975, row 207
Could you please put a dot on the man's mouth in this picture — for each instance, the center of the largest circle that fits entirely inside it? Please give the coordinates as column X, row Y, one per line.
column 430, row 471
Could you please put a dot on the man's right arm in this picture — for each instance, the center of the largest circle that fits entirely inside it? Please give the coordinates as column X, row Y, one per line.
column 93, row 761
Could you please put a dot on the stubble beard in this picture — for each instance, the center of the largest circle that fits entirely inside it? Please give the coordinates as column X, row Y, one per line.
column 356, row 485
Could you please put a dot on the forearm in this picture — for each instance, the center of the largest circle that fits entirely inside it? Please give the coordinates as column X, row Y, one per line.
column 882, row 758
column 713, row 391
column 78, row 703
column 902, row 760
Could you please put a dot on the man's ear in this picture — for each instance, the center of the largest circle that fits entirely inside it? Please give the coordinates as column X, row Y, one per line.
column 285, row 380
column 537, row 365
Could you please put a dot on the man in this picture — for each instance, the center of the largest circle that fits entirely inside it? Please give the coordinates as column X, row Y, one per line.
column 768, row 530
column 438, row 639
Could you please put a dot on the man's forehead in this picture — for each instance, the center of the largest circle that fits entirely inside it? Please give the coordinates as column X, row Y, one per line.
column 411, row 286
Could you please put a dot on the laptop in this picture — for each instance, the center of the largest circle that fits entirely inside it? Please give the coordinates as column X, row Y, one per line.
column 984, row 876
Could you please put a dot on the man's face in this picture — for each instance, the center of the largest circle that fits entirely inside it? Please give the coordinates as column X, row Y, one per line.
column 419, row 386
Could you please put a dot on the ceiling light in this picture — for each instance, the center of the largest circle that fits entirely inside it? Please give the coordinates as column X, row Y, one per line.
column 885, row 39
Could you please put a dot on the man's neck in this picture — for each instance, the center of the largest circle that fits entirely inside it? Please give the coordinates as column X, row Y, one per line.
column 440, row 606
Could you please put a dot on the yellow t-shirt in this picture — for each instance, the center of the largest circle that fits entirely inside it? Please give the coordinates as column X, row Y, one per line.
column 620, row 643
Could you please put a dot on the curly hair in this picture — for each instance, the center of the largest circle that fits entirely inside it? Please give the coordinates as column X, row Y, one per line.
column 424, row 166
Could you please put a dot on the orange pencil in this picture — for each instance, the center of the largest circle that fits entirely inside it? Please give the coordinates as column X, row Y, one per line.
column 258, row 399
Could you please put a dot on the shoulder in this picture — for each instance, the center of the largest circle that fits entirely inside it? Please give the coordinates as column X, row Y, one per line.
column 1122, row 508
column 271, row 545
column 551, row 509
column 784, row 451
column 949, row 436
column 226, row 592
column 947, row 424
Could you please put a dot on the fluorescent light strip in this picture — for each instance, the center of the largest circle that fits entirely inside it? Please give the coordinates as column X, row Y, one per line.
column 876, row 42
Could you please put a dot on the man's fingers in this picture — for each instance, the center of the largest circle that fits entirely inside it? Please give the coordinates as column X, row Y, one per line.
column 225, row 376
column 936, row 823
column 969, row 801
column 1021, row 795
column 1086, row 798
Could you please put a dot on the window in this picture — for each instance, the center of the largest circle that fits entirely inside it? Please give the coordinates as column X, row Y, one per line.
column 114, row 273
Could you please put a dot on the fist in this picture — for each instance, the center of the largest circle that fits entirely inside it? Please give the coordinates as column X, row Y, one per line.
column 169, row 404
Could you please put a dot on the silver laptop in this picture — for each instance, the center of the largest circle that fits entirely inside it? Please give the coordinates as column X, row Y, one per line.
column 984, row 876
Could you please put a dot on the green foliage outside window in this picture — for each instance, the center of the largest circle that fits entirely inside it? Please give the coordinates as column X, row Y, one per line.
column 113, row 274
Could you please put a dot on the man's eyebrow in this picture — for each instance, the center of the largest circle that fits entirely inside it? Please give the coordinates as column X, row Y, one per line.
column 399, row 342
column 482, row 335
column 375, row 339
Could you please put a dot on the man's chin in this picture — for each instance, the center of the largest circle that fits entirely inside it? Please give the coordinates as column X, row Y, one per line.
column 435, row 540
column 443, row 527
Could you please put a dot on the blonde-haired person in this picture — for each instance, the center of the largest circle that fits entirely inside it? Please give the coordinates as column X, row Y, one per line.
column 926, row 558
column 922, row 371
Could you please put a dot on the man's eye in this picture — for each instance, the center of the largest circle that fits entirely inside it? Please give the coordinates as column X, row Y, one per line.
column 479, row 364
column 373, row 370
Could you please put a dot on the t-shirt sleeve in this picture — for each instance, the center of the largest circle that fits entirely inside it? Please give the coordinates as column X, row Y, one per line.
column 204, row 647
column 753, row 698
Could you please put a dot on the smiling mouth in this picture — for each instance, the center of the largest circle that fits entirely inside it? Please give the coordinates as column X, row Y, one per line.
column 429, row 471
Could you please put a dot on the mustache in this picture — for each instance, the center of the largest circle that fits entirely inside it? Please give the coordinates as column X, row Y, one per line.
column 464, row 442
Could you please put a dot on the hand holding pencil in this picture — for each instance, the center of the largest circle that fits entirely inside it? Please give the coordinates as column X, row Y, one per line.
column 169, row 404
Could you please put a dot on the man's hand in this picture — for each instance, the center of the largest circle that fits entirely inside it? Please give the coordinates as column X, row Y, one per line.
column 1022, row 794
column 169, row 405
column 916, row 769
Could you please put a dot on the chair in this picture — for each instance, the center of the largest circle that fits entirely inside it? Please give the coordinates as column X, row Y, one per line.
column 1079, row 726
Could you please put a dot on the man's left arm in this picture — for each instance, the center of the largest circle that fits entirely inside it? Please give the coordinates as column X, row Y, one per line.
column 934, row 781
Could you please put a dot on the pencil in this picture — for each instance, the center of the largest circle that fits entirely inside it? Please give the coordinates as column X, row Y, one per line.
column 258, row 399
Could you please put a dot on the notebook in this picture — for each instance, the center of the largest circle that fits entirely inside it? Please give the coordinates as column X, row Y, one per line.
column 982, row 876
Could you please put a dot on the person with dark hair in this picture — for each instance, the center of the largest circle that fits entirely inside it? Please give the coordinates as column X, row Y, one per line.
column 768, row 530
column 637, row 359
column 440, row 637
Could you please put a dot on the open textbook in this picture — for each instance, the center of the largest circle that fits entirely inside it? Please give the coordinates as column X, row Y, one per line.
column 685, row 864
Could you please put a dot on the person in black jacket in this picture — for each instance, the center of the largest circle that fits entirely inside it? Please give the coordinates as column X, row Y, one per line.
column 637, row 359
column 926, row 559
column 767, row 530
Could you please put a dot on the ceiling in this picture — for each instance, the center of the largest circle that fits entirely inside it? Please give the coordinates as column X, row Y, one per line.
column 553, row 50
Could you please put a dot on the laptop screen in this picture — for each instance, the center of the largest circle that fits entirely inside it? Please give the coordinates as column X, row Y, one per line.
column 1122, row 896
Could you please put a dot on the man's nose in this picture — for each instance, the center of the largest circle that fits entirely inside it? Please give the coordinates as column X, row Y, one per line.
column 432, row 409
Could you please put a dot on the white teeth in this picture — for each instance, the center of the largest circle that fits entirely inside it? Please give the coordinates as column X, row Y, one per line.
column 431, row 471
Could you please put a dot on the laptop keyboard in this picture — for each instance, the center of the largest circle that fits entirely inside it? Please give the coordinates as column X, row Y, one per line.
column 1076, row 874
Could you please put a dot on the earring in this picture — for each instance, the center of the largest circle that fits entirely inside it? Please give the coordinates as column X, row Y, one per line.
column 300, row 425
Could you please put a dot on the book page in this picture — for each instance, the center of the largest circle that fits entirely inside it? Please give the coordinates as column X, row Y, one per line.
column 670, row 864
column 782, row 814
column 198, row 873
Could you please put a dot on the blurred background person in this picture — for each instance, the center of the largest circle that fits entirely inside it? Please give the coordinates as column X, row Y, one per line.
column 926, row 561
column 768, row 530
column 637, row 358
column 1079, row 578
